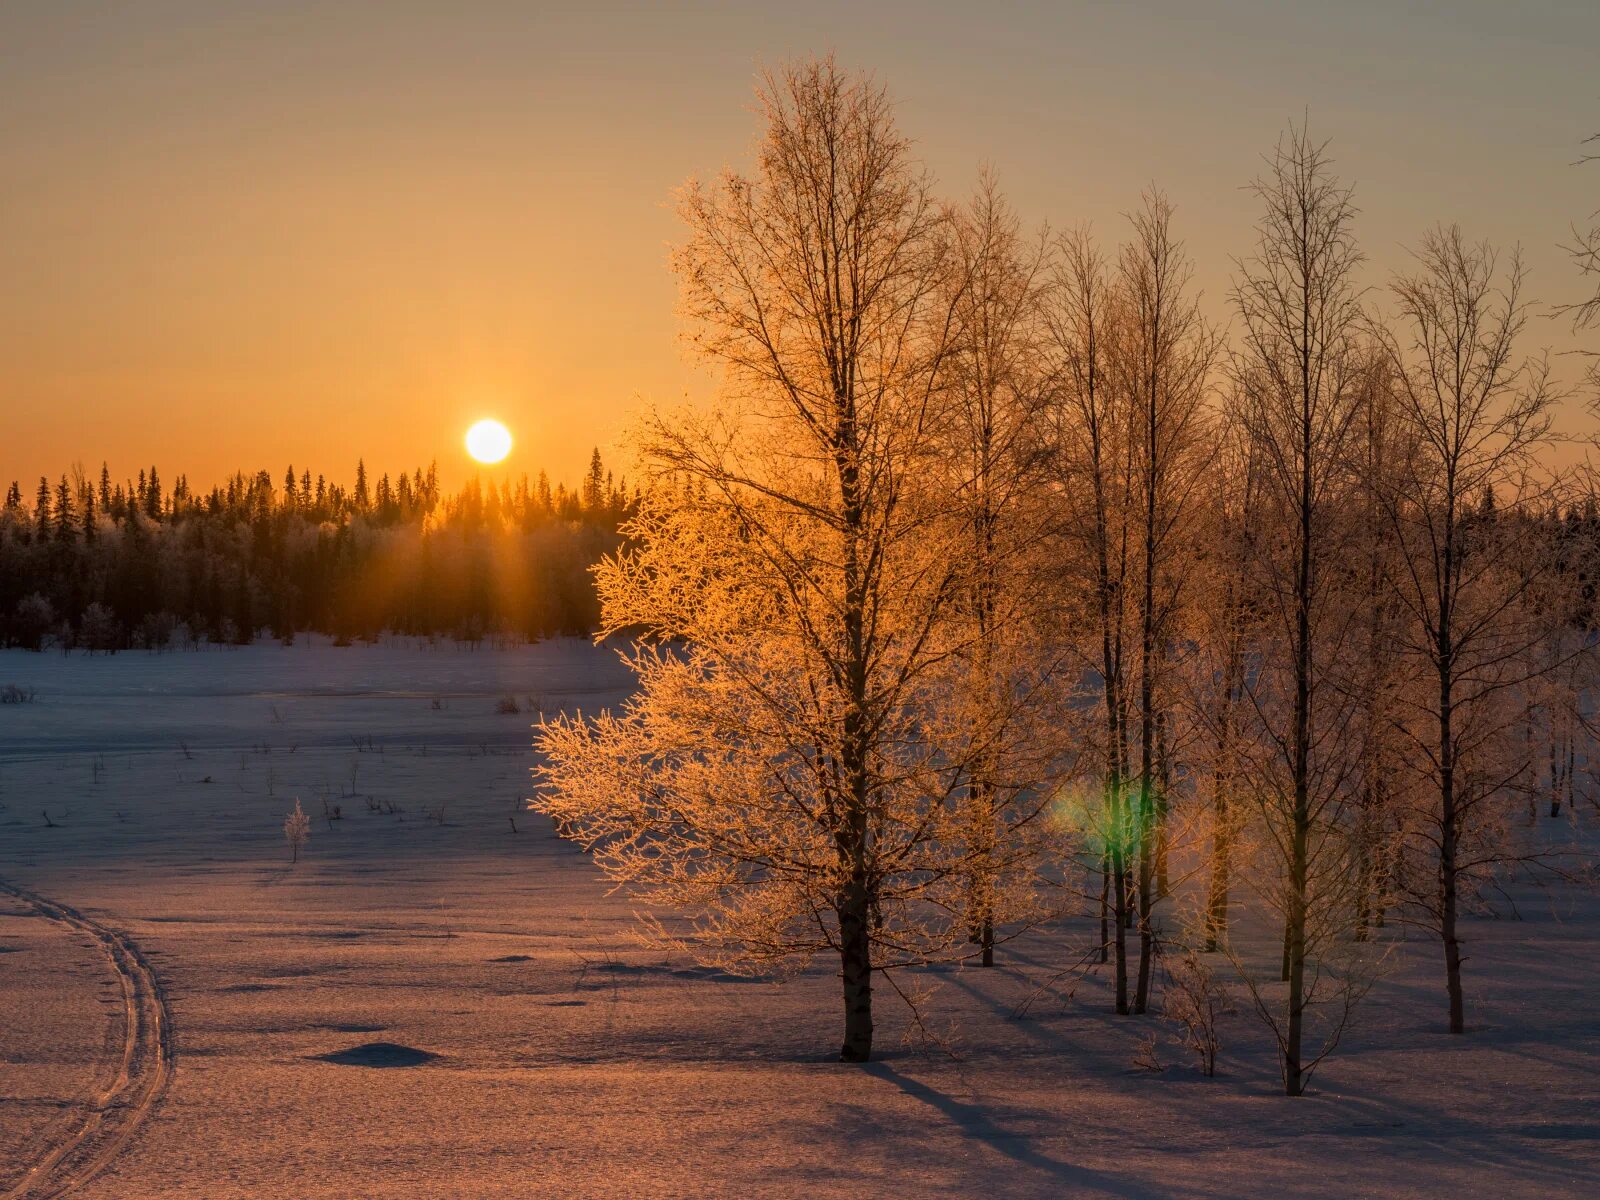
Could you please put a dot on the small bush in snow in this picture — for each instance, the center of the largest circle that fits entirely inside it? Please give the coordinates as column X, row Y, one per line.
column 1195, row 1001
column 14, row 693
column 508, row 705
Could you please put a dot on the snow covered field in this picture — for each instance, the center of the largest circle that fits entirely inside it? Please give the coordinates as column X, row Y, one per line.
column 441, row 1000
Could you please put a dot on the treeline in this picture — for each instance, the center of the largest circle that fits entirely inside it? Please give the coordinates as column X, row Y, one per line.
column 104, row 566
column 1018, row 591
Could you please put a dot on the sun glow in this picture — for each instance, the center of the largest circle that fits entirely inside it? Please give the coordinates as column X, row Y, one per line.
column 488, row 441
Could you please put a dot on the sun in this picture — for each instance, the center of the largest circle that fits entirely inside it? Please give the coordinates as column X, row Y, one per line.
column 488, row 441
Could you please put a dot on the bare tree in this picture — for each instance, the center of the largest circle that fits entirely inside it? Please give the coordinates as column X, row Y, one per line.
column 1478, row 415
column 1299, row 316
column 1584, row 249
column 1165, row 366
column 1094, row 497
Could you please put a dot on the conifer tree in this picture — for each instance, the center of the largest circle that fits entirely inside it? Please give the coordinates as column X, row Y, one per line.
column 41, row 510
column 66, row 522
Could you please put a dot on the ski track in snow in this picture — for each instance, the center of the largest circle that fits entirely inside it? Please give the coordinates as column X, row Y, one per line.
column 105, row 1123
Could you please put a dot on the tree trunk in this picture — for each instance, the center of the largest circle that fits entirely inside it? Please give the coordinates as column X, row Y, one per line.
column 1363, row 872
column 980, row 898
column 1555, row 769
column 1147, row 718
column 1293, row 1078
column 1221, row 852
column 1116, row 802
column 1105, row 907
column 1449, row 834
column 1530, row 784
column 1141, row 1000
column 1382, row 869
column 1449, row 817
column 1221, row 782
column 1163, row 801
column 855, row 961
column 858, row 893
column 1295, row 925
column 1119, row 871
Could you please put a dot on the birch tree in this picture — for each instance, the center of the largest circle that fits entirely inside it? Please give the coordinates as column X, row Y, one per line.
column 1295, row 371
column 993, row 437
column 1093, row 445
column 1479, row 415
column 1225, row 622
column 1382, row 452
column 1165, row 367
column 787, row 772
column 1584, row 249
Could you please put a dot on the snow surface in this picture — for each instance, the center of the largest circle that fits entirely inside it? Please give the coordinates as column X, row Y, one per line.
column 567, row 1061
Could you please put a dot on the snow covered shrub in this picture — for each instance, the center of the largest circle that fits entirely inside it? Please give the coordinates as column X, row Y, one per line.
column 14, row 693
column 99, row 630
column 296, row 829
column 508, row 706
column 34, row 619
column 155, row 631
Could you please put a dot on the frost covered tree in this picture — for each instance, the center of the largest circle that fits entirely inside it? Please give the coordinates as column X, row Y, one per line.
column 993, row 438
column 1093, row 519
column 1164, row 367
column 791, row 767
column 98, row 630
column 1224, row 633
column 296, row 829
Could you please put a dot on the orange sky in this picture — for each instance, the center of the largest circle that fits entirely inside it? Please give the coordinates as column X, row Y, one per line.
column 249, row 235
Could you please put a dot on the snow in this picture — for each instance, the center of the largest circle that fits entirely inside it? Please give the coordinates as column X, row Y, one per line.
column 567, row 1061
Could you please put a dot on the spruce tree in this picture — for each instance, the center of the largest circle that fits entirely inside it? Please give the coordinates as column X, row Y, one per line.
column 66, row 523
column 41, row 509
column 594, row 484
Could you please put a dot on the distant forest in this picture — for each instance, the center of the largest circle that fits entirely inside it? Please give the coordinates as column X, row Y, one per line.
column 103, row 566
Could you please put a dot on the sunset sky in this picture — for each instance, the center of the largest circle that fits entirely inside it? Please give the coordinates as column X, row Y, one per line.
column 236, row 236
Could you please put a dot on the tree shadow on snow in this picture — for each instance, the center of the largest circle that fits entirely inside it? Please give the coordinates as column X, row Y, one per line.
column 975, row 1122
column 1429, row 1133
